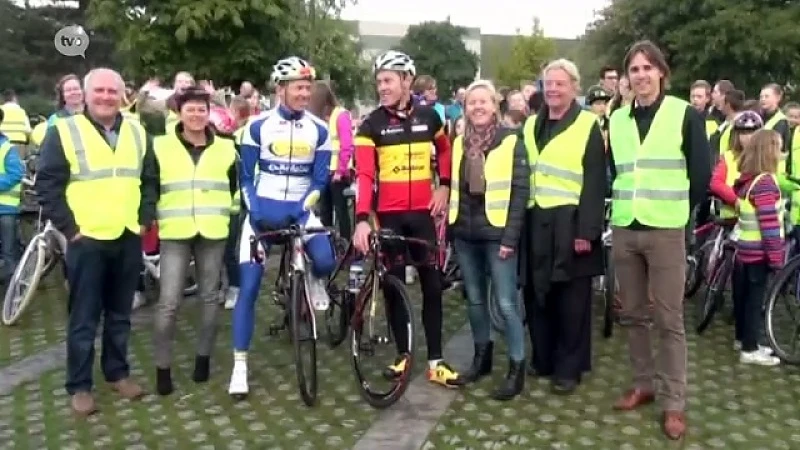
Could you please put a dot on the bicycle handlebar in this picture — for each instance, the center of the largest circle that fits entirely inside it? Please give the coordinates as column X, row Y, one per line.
column 384, row 234
column 290, row 232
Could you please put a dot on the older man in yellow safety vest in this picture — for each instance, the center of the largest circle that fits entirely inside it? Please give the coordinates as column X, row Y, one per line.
column 98, row 180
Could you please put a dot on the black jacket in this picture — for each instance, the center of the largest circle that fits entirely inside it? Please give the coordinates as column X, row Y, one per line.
column 471, row 223
column 53, row 176
column 551, row 233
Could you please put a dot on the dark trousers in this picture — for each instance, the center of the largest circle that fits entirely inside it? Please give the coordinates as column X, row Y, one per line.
column 749, row 286
column 103, row 276
column 9, row 245
column 231, row 258
column 334, row 202
column 561, row 330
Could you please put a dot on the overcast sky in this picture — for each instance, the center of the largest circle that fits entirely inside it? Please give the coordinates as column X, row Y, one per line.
column 560, row 18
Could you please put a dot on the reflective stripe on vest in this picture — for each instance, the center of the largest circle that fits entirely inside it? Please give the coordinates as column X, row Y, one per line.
column 748, row 220
column 195, row 198
column 11, row 197
column 558, row 173
column 651, row 186
column 711, row 127
column 104, row 188
column 15, row 124
column 731, row 175
column 529, row 138
column 333, row 133
column 498, row 172
column 794, row 212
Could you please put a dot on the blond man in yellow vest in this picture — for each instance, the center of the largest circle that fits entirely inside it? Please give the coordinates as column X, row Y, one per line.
column 97, row 180
column 568, row 182
column 11, row 172
column 197, row 174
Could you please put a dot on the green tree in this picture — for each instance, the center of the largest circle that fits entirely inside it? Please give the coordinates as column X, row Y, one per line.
column 750, row 42
column 438, row 50
column 528, row 54
column 224, row 40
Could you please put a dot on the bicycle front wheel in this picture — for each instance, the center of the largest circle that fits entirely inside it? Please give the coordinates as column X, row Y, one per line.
column 303, row 339
column 783, row 312
column 372, row 350
column 715, row 292
column 25, row 280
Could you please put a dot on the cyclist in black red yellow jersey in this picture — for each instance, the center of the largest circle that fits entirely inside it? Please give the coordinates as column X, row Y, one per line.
column 393, row 155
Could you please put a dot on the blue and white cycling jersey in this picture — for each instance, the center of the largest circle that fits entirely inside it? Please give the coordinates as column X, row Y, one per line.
column 292, row 151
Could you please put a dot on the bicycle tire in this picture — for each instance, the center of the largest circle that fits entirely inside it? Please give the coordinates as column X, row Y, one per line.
column 306, row 379
column 715, row 293
column 381, row 400
column 773, row 292
column 695, row 275
column 35, row 251
column 336, row 325
column 609, row 293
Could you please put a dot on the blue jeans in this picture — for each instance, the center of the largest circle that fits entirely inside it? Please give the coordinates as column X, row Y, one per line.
column 477, row 259
column 9, row 245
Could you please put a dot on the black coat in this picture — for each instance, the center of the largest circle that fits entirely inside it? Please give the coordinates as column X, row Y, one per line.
column 550, row 234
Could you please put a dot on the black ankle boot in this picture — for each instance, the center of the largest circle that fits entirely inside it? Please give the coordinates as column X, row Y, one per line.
column 513, row 383
column 202, row 367
column 164, row 381
column 481, row 362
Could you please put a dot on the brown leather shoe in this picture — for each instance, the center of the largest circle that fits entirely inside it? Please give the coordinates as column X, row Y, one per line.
column 633, row 399
column 83, row 404
column 128, row 389
column 674, row 425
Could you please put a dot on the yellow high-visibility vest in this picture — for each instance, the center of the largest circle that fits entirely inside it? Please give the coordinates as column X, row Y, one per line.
column 652, row 185
column 195, row 198
column 12, row 196
column 498, row 172
column 770, row 125
column 104, row 188
column 15, row 123
column 748, row 220
column 731, row 175
column 529, row 137
column 558, row 172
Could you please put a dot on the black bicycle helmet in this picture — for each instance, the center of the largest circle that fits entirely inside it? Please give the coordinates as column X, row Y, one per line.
column 597, row 93
column 748, row 121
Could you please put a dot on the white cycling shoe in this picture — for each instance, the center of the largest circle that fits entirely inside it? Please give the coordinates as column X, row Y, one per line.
column 238, row 387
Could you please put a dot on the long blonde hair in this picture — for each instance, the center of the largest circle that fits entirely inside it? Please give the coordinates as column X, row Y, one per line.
column 762, row 154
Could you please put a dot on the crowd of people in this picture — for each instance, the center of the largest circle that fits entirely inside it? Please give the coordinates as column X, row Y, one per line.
column 522, row 176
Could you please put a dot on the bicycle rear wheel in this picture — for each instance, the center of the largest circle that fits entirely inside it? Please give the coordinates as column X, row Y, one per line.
column 783, row 311
column 303, row 339
column 715, row 292
column 337, row 316
column 24, row 281
column 378, row 390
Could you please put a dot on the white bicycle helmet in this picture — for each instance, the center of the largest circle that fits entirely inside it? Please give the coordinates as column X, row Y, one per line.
column 396, row 62
column 291, row 69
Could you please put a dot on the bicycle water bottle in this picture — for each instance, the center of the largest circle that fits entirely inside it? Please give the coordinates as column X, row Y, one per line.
column 356, row 276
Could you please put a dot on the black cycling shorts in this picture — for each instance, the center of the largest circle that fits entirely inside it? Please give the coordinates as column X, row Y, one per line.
column 413, row 224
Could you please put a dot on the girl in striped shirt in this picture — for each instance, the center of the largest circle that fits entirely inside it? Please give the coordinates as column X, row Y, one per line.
column 760, row 245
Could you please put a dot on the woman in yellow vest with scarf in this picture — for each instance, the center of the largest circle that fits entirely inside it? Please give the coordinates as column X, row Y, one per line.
column 197, row 172
column 568, row 186
column 490, row 188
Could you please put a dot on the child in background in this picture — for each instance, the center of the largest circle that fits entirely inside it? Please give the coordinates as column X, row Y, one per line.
column 760, row 244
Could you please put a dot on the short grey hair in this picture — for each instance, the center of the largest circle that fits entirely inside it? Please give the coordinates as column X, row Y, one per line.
column 87, row 80
column 567, row 66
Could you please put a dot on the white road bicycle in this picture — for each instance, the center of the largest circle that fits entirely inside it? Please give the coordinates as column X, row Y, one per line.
column 45, row 249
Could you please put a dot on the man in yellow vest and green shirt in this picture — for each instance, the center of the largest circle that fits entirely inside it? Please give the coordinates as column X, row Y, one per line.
column 661, row 168
column 566, row 152
column 16, row 125
column 97, row 180
column 11, row 172
column 197, row 174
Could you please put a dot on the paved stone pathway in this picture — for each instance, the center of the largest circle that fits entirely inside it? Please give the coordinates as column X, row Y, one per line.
column 731, row 406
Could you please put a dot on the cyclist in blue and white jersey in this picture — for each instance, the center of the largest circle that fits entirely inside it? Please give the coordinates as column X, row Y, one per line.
column 291, row 150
